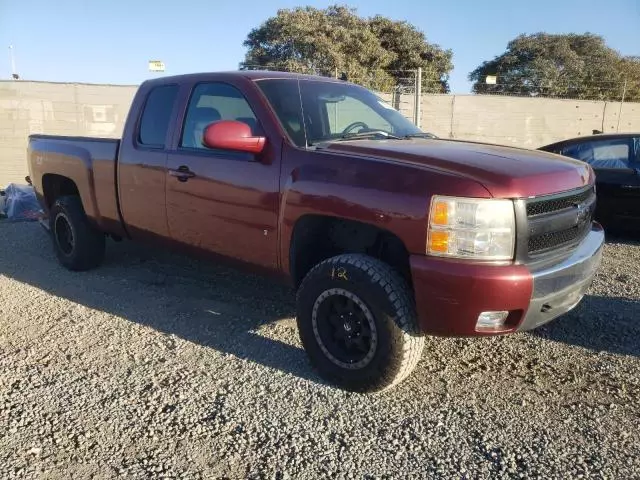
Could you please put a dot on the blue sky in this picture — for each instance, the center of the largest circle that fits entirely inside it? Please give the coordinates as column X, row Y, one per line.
column 110, row 41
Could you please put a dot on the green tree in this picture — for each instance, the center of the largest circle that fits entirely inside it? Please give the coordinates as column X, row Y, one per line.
column 574, row 65
column 411, row 50
column 630, row 71
column 375, row 52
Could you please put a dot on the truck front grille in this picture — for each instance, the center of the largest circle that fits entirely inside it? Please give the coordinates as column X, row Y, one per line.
column 541, row 206
column 559, row 221
column 553, row 239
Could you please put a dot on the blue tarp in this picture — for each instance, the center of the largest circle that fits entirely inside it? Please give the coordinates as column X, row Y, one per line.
column 20, row 204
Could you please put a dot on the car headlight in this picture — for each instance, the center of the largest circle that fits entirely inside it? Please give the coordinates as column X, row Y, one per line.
column 473, row 228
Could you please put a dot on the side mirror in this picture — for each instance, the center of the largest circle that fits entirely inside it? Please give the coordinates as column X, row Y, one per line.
column 232, row 135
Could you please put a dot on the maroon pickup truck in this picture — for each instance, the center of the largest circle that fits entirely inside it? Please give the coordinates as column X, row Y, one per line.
column 386, row 232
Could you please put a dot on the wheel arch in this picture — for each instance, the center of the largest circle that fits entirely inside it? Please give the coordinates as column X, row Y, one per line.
column 316, row 237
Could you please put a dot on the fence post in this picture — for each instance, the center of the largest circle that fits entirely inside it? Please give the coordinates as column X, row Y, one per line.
column 417, row 107
column 624, row 91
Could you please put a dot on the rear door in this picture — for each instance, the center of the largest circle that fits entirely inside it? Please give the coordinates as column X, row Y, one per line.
column 142, row 165
column 617, row 175
column 228, row 201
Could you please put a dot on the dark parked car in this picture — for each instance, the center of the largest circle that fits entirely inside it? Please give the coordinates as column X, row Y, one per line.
column 615, row 159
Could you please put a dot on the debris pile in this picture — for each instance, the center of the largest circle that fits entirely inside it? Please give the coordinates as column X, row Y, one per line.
column 19, row 203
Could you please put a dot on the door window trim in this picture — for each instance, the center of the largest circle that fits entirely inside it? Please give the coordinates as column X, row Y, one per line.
column 223, row 154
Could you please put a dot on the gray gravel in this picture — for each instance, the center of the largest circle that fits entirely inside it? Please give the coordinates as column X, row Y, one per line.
column 156, row 366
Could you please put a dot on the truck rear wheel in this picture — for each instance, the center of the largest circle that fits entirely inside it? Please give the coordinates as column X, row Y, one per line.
column 78, row 245
column 358, row 324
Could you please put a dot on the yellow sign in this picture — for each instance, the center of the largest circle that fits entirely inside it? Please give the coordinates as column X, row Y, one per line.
column 491, row 79
column 156, row 66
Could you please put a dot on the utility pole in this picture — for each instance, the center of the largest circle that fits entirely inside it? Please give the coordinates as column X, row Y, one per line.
column 417, row 109
column 624, row 92
column 14, row 75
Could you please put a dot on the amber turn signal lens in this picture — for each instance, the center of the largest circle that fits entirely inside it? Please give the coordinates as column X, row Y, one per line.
column 439, row 241
column 440, row 214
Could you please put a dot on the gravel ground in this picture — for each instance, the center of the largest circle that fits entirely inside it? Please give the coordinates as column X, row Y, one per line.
column 157, row 366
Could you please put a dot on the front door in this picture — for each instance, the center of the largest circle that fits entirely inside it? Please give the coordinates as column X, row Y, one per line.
column 616, row 163
column 222, row 201
column 618, row 193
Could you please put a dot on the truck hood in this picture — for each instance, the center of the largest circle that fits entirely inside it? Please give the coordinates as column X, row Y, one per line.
column 507, row 172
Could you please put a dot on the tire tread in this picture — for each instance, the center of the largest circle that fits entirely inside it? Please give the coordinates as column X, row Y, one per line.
column 399, row 294
column 90, row 242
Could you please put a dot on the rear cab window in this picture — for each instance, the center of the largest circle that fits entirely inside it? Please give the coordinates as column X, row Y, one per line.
column 156, row 116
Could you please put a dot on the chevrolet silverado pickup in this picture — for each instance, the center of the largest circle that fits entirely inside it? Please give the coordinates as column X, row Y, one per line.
column 386, row 233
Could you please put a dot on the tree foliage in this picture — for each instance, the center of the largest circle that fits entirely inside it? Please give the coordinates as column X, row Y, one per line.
column 630, row 71
column 573, row 65
column 376, row 52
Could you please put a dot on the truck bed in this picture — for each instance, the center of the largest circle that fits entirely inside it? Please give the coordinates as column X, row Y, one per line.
column 90, row 162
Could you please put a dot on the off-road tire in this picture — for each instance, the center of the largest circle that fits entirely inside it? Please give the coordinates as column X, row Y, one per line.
column 87, row 247
column 388, row 298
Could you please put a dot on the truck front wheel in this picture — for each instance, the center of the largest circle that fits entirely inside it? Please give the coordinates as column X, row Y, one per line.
column 78, row 245
column 357, row 323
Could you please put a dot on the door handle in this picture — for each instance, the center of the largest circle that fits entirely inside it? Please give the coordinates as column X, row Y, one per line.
column 182, row 173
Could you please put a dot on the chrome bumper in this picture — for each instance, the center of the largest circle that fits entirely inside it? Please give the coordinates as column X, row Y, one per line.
column 558, row 289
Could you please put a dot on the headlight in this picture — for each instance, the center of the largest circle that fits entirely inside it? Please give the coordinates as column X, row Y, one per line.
column 474, row 228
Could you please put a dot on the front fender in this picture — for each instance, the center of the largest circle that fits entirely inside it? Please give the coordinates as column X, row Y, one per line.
column 323, row 192
column 391, row 196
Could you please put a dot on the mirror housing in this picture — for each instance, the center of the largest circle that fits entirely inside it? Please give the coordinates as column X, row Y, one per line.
column 232, row 135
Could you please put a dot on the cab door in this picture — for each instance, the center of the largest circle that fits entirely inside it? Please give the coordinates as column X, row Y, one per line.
column 617, row 170
column 633, row 186
column 222, row 201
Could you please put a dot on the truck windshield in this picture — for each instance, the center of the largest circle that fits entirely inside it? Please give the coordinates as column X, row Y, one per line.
column 314, row 111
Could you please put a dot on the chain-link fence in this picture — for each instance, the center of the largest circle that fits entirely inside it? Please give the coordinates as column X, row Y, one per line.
column 405, row 82
column 623, row 89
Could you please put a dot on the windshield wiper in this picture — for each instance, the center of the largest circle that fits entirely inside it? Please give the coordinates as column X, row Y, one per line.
column 357, row 136
column 369, row 134
column 420, row 135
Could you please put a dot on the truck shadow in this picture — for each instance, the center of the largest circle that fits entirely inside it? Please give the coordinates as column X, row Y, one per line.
column 241, row 314
column 216, row 307
column 601, row 324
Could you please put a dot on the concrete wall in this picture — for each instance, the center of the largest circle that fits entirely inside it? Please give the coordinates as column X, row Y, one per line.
column 56, row 109
column 100, row 110
column 523, row 122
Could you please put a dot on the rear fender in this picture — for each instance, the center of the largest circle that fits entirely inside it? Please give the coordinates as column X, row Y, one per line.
column 68, row 161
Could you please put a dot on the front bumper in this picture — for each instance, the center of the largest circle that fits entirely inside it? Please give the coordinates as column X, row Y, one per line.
column 451, row 294
column 558, row 289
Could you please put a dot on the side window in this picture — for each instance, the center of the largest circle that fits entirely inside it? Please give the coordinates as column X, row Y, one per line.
column 211, row 102
column 156, row 116
column 579, row 151
column 601, row 153
column 349, row 110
